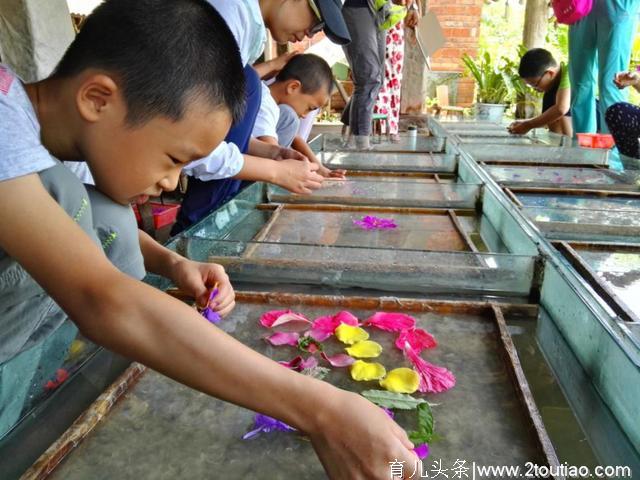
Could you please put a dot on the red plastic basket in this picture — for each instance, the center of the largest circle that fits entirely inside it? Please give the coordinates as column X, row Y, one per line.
column 595, row 140
column 163, row 214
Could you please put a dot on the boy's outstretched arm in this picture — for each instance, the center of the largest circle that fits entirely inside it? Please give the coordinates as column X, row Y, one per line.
column 353, row 438
column 556, row 112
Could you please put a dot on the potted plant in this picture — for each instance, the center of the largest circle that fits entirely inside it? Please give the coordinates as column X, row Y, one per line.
column 495, row 85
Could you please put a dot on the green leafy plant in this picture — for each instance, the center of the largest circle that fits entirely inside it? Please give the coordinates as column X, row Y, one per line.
column 494, row 83
column 425, row 433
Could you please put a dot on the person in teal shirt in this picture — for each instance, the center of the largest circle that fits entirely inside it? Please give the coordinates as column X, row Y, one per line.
column 599, row 47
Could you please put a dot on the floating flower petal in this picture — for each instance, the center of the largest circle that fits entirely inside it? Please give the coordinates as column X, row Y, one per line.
column 365, row 349
column 285, row 321
column 370, row 222
column 61, row 376
column 364, row 371
column 422, row 451
column 433, row 379
column 265, row 424
column 391, row 322
column 417, row 338
column 401, row 380
column 284, row 338
column 324, row 327
column 298, row 363
column 349, row 334
column 339, row 360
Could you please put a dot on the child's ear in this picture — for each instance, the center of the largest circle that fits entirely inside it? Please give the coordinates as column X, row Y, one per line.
column 293, row 86
column 95, row 96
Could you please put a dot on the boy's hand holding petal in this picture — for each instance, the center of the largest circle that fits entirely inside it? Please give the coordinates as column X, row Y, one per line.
column 197, row 279
column 519, row 127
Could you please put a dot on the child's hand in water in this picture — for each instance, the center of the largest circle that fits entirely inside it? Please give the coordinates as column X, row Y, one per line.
column 298, row 176
column 519, row 127
column 329, row 174
column 197, row 279
column 626, row 79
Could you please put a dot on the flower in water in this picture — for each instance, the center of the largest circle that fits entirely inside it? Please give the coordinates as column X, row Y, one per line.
column 324, row 327
column 422, row 451
column 369, row 222
column 362, row 371
column 284, row 338
column 391, row 322
column 285, row 321
column 417, row 338
column 401, row 380
column 61, row 376
column 338, row 360
column 365, row 349
column 433, row 379
column 350, row 334
column 299, row 364
column 266, row 424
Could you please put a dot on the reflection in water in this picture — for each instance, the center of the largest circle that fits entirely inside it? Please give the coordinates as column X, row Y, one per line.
column 621, row 271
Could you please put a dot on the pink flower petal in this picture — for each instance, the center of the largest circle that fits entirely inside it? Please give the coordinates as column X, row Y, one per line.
column 324, row 327
column 286, row 320
column 298, row 363
column 283, row 338
column 319, row 335
column 345, row 317
column 339, row 360
column 391, row 322
column 417, row 338
column 311, row 362
column 268, row 318
column 293, row 364
column 433, row 379
column 292, row 322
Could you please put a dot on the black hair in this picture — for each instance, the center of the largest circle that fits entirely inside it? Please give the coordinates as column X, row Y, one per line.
column 535, row 62
column 312, row 71
column 161, row 53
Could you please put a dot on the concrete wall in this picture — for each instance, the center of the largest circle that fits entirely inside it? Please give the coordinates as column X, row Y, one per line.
column 34, row 35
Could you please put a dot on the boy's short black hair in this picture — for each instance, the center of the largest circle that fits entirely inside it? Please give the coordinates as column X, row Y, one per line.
column 160, row 52
column 535, row 62
column 312, row 71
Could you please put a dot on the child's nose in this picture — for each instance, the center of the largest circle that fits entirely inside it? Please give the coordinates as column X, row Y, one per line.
column 170, row 182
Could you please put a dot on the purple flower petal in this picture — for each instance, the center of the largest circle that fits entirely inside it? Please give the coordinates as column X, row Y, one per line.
column 422, row 451
column 369, row 222
column 211, row 316
column 388, row 412
column 266, row 424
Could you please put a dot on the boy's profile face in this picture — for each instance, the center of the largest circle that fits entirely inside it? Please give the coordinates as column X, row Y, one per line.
column 304, row 103
column 292, row 21
column 129, row 162
column 541, row 83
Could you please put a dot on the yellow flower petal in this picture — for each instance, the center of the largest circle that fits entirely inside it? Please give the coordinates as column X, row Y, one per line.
column 365, row 349
column 349, row 334
column 363, row 371
column 401, row 380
